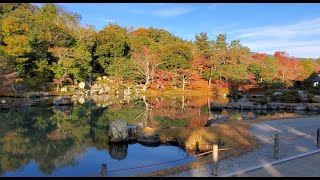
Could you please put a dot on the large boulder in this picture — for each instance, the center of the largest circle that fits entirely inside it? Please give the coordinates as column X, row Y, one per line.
column 300, row 107
column 149, row 139
column 134, row 131
column 215, row 106
column 62, row 100
column 118, row 131
column 272, row 106
column 216, row 120
column 311, row 107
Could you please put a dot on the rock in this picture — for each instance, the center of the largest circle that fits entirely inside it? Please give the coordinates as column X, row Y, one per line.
column 118, row 151
column 95, row 87
column 127, row 92
column 264, row 106
column 99, row 78
column 301, row 94
column 217, row 119
column 300, row 107
column 277, row 94
column 3, row 101
column 82, row 85
column 149, row 139
column 232, row 105
column 45, row 94
column 240, row 118
column 281, row 106
column 248, row 117
column 64, row 89
column 311, row 107
column 258, row 106
column 107, row 88
column 104, row 77
column 34, row 95
column 215, row 106
column 72, row 88
column 246, row 105
column 81, row 100
column 272, row 106
column 101, row 91
column 118, row 131
column 62, row 100
column 134, row 131
column 222, row 118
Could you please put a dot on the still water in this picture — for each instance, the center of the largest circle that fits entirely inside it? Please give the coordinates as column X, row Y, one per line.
column 43, row 140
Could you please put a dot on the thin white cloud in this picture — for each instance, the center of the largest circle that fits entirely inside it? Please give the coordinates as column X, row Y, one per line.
column 111, row 20
column 293, row 48
column 297, row 39
column 307, row 27
column 172, row 11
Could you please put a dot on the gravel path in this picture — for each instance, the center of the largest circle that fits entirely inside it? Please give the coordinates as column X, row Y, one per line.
column 299, row 137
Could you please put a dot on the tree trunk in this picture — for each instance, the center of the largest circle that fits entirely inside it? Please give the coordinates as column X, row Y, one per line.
column 209, row 83
column 145, row 86
column 57, row 87
column 183, row 105
column 183, row 82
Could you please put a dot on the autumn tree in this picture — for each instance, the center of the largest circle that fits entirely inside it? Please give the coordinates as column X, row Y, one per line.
column 146, row 61
column 289, row 69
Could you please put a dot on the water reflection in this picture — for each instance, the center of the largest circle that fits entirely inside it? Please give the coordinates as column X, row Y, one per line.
column 73, row 140
column 118, row 151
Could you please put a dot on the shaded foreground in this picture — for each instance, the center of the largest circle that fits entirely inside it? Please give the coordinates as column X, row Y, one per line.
column 298, row 137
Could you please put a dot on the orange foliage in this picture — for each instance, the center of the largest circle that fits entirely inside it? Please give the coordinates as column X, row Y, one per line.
column 201, row 63
column 259, row 57
column 289, row 68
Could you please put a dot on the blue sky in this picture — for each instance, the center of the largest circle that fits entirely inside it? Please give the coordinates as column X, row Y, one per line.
column 263, row 27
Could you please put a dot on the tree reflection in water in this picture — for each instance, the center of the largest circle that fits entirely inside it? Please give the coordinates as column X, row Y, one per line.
column 56, row 137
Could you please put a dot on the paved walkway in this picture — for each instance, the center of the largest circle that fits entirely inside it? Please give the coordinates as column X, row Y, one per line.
column 307, row 166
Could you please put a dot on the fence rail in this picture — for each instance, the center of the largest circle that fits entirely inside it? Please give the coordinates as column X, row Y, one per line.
column 103, row 170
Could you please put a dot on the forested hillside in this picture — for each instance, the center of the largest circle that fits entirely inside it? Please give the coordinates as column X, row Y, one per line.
column 40, row 46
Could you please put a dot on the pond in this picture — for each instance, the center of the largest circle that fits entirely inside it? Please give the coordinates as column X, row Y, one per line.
column 43, row 140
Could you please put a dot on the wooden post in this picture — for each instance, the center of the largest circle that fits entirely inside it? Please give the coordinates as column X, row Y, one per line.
column 318, row 137
column 197, row 147
column 104, row 170
column 215, row 159
column 276, row 146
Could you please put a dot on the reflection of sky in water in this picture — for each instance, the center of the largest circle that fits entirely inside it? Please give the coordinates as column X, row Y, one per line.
column 89, row 164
